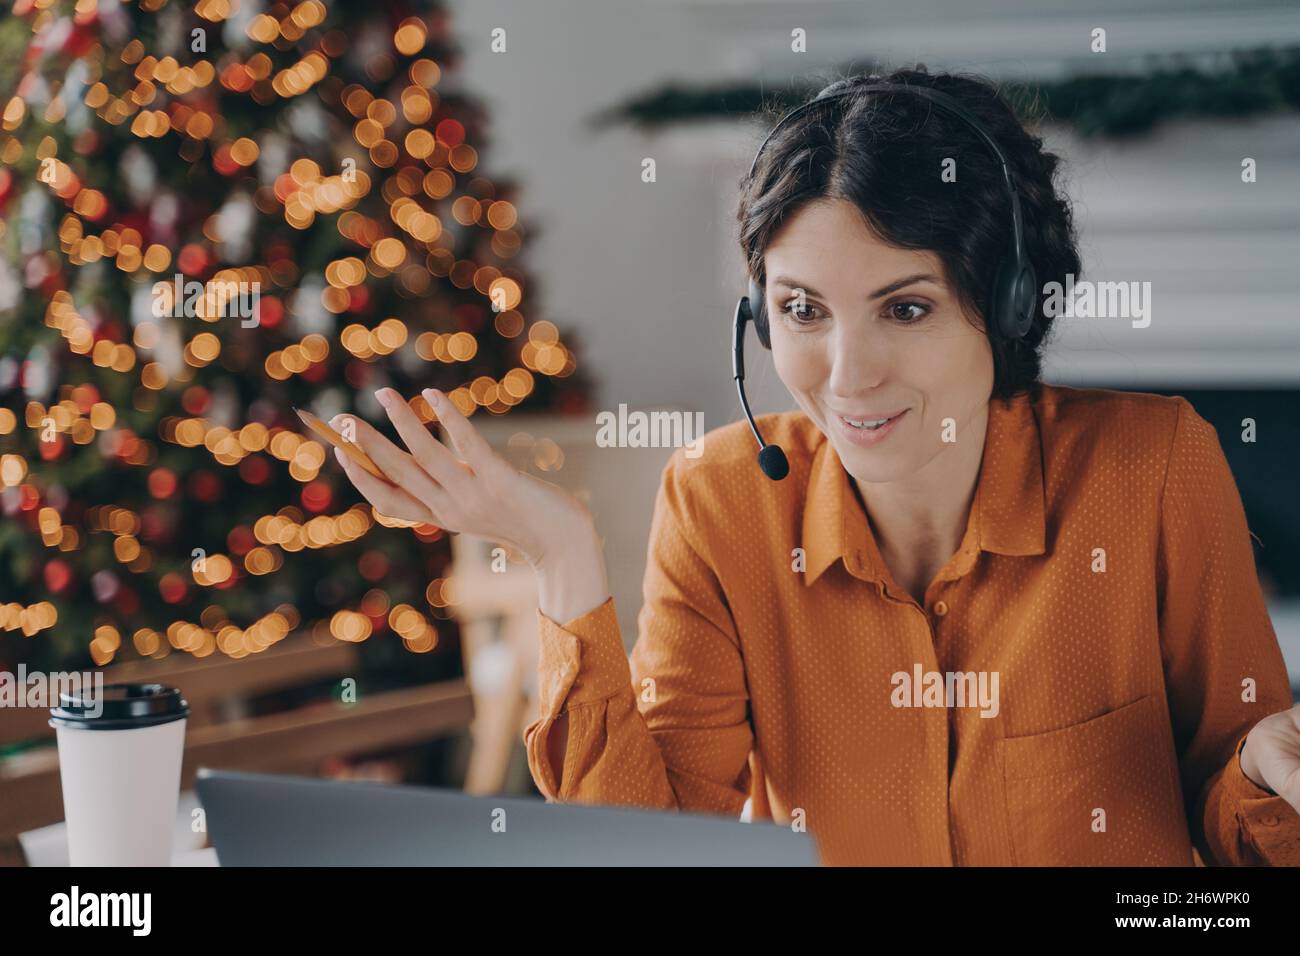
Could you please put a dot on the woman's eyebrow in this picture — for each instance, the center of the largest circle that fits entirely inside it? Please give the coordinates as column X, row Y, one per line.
column 879, row 293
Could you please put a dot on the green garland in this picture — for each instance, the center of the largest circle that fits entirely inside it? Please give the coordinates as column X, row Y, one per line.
column 1254, row 82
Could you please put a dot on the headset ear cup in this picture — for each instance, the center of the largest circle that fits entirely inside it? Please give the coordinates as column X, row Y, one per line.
column 1002, row 305
column 1026, row 299
column 1015, row 298
column 758, row 312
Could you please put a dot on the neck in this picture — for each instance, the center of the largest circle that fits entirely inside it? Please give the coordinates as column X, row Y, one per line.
column 919, row 522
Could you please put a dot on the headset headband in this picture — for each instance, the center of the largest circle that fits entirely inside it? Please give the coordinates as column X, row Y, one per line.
column 942, row 100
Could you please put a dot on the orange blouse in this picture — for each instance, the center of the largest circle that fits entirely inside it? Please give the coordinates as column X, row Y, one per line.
column 1102, row 617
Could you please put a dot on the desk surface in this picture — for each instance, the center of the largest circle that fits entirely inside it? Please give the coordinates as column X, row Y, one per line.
column 48, row 846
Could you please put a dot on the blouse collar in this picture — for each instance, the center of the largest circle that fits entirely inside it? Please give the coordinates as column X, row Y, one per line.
column 1007, row 515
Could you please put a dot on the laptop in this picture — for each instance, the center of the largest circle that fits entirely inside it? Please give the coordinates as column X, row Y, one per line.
column 272, row 820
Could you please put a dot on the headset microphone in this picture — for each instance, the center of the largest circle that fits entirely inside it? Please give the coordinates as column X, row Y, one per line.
column 770, row 457
column 1013, row 297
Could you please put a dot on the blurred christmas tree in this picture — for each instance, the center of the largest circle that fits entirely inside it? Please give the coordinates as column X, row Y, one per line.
column 310, row 161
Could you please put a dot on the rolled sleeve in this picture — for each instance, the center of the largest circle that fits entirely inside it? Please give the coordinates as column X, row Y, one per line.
column 1266, row 827
column 581, row 660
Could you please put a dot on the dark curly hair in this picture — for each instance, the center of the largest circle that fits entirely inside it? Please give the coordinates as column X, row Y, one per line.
column 882, row 152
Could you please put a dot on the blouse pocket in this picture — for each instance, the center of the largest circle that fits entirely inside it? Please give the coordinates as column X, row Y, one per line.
column 1103, row 792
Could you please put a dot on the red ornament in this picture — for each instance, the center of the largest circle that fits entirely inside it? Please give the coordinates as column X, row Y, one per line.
column 193, row 259
column 138, row 221
column 81, row 39
column 154, row 525
column 284, row 187
column 172, row 587
column 241, row 540
column 108, row 331
column 85, row 396
column 87, row 142
column 50, row 284
column 237, row 77
column 162, row 483
column 57, row 575
column 270, row 310
column 317, row 496
column 124, row 443
column 51, row 450
column 205, row 487
column 450, row 131
column 255, row 470
column 196, row 400
column 223, row 162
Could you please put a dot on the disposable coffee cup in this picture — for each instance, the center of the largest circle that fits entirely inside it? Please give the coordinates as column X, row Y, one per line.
column 120, row 764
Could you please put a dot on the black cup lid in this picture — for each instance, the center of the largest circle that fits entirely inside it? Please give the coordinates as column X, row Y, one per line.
column 120, row 707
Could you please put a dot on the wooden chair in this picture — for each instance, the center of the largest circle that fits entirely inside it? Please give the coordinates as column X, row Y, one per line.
column 497, row 612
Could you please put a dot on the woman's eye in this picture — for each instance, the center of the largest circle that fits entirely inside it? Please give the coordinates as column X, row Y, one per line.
column 899, row 312
column 802, row 315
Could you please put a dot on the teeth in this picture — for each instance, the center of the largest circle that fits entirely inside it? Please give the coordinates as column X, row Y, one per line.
column 866, row 424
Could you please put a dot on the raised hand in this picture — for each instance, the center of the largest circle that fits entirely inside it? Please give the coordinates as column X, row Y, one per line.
column 467, row 488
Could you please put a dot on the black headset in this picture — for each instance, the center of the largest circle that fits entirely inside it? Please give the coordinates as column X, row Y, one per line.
column 1012, row 300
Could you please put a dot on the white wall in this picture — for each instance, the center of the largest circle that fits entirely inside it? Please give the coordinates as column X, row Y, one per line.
column 1220, row 255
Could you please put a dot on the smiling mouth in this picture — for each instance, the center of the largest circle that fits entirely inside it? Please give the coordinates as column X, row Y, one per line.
column 869, row 424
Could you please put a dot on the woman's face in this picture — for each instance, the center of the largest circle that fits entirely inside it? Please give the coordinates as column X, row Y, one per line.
column 878, row 333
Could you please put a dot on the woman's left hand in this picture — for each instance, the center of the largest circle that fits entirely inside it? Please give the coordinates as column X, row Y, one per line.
column 1271, row 756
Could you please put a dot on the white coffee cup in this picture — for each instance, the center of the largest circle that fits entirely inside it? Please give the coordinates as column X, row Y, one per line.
column 120, row 764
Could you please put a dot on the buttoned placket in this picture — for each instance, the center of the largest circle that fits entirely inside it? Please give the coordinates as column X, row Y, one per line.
column 941, row 597
column 945, row 581
column 937, row 728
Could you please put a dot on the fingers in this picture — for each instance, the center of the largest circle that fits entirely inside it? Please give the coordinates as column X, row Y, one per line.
column 470, row 445
column 388, row 500
column 401, row 469
column 431, row 479
column 429, row 453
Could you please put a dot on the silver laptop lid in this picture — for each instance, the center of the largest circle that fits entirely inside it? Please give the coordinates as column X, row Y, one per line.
column 272, row 820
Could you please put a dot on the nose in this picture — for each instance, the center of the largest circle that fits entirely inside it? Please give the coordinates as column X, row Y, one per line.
column 861, row 361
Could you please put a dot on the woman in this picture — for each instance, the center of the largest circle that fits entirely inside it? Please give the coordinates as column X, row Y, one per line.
column 983, row 621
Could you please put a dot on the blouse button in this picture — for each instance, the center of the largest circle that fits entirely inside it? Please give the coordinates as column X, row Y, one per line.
column 1268, row 819
column 940, row 608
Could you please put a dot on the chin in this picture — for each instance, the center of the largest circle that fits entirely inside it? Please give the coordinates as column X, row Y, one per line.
column 872, row 466
column 874, row 473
